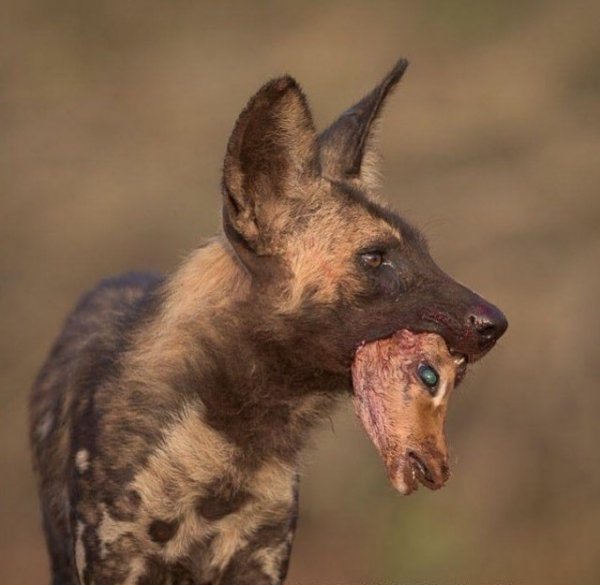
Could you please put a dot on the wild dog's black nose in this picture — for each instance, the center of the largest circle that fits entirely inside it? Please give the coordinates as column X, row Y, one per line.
column 489, row 323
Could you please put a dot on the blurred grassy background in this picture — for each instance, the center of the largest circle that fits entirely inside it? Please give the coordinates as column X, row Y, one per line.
column 114, row 118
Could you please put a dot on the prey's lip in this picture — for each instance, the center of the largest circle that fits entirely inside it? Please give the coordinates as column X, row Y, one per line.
column 421, row 472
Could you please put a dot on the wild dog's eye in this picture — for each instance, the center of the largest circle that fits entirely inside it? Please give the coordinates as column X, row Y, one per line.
column 429, row 377
column 372, row 259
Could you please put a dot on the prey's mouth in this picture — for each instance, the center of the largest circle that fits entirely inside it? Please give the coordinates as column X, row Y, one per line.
column 420, row 472
column 417, row 471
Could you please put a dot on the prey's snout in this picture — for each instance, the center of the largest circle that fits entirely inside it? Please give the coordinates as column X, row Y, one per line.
column 401, row 390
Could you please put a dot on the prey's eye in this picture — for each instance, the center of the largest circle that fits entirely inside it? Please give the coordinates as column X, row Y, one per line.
column 429, row 377
column 372, row 259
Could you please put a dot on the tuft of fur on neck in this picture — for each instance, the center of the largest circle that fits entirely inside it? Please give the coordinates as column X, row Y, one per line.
column 209, row 281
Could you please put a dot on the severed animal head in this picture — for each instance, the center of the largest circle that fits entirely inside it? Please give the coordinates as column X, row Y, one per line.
column 402, row 386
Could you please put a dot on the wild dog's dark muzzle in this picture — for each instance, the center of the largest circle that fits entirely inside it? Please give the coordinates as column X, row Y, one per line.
column 470, row 325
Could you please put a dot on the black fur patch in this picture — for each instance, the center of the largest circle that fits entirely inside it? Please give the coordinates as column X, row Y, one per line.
column 219, row 501
column 162, row 531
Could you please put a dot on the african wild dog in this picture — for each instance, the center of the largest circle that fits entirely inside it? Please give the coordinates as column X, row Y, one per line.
column 167, row 422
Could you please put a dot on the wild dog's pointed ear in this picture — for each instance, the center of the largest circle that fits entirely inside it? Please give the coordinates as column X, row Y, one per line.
column 272, row 154
column 344, row 146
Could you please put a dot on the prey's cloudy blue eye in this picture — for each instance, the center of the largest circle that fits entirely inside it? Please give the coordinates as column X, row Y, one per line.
column 428, row 376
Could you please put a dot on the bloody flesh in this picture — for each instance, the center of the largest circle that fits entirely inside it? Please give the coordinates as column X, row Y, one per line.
column 403, row 417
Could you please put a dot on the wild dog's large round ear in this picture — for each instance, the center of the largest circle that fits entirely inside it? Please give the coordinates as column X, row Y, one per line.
column 345, row 149
column 271, row 157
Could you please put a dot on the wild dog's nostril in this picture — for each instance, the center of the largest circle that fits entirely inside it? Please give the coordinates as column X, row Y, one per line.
column 487, row 330
column 489, row 323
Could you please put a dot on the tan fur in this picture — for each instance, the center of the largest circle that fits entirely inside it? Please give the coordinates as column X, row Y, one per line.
column 80, row 560
column 320, row 257
column 271, row 559
column 272, row 491
column 208, row 280
column 190, row 454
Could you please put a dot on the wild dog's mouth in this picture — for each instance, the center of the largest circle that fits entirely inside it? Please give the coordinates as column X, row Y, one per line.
column 473, row 337
column 402, row 411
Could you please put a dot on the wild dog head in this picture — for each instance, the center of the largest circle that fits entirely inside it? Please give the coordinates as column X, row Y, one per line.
column 330, row 266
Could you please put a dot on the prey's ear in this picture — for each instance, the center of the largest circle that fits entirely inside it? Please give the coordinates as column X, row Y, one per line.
column 271, row 157
column 344, row 146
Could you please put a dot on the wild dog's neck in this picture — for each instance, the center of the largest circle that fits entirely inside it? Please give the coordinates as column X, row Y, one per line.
column 205, row 343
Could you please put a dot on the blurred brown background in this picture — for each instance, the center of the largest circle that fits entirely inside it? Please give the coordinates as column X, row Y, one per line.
column 114, row 118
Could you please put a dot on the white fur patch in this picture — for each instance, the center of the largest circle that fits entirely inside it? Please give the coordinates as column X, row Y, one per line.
column 43, row 428
column 109, row 530
column 80, row 562
column 82, row 460
column 137, row 568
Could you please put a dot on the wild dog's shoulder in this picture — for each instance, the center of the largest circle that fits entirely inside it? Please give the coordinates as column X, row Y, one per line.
column 114, row 299
column 105, row 313
column 91, row 338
